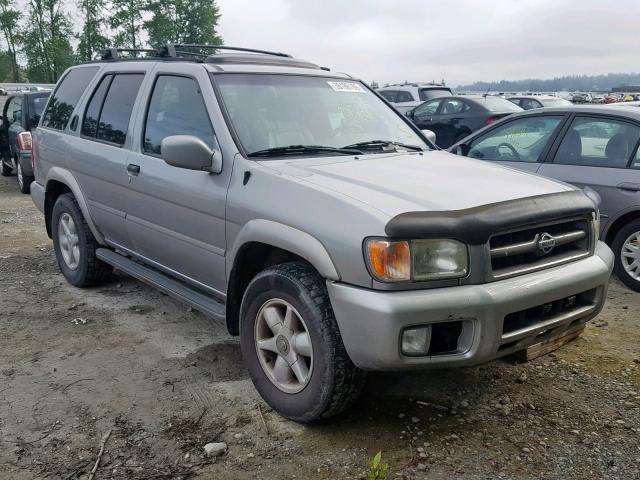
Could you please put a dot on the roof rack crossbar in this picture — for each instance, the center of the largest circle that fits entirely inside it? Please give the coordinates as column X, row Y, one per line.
column 226, row 47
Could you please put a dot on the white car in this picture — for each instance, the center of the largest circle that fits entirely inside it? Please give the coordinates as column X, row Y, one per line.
column 407, row 96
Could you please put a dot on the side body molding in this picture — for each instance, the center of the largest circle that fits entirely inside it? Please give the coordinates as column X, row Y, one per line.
column 287, row 238
column 63, row 175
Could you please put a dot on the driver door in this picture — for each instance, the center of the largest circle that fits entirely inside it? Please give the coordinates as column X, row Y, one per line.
column 521, row 143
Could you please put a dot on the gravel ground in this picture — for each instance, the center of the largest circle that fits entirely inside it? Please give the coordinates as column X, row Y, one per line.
column 165, row 381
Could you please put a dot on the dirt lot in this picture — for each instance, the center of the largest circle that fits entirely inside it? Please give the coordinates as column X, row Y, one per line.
column 165, row 380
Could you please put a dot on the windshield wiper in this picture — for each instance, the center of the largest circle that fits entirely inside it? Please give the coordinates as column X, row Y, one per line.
column 302, row 149
column 375, row 144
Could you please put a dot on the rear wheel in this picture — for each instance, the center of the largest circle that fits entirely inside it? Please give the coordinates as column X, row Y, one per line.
column 626, row 246
column 74, row 245
column 24, row 181
column 292, row 346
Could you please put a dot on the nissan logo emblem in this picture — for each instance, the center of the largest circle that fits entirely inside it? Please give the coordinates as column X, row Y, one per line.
column 545, row 243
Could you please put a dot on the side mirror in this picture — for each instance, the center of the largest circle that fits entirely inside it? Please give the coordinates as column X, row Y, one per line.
column 187, row 151
column 430, row 134
column 462, row 149
column 409, row 113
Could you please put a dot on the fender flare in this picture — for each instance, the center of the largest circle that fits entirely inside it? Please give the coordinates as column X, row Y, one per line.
column 64, row 176
column 287, row 238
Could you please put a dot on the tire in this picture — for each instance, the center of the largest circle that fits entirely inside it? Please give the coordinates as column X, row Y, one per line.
column 623, row 243
column 333, row 382
column 24, row 181
column 86, row 270
column 5, row 169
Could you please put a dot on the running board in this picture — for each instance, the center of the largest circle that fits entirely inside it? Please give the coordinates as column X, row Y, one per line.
column 166, row 284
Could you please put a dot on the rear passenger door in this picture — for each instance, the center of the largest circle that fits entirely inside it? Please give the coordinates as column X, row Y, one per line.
column 99, row 151
column 175, row 216
column 600, row 152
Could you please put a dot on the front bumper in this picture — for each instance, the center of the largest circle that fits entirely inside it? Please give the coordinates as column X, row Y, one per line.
column 371, row 322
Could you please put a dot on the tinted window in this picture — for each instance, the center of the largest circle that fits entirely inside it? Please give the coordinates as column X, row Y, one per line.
column 521, row 140
column 117, row 107
column 429, row 93
column 176, row 108
column 91, row 115
column 66, row 97
column 36, row 106
column 397, row 96
column 598, row 142
column 529, row 104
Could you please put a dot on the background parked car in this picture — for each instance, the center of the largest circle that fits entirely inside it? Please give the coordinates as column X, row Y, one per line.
column 409, row 95
column 529, row 102
column 585, row 146
column 581, row 98
column 20, row 114
column 453, row 118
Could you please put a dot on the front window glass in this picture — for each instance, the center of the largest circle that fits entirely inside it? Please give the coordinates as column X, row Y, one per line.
column 521, row 140
column 272, row 111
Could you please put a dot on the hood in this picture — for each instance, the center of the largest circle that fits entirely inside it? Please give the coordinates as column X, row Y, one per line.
column 404, row 182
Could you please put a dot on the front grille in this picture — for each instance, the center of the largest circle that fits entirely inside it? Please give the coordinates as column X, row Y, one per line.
column 534, row 248
column 539, row 319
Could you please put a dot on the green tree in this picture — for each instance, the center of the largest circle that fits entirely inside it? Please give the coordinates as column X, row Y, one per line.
column 183, row 21
column 128, row 22
column 9, row 21
column 92, row 39
column 46, row 40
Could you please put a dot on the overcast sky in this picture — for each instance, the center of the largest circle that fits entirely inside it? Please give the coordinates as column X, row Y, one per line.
column 459, row 40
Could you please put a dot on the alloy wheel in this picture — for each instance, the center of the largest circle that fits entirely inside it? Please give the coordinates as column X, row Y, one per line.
column 69, row 241
column 630, row 256
column 283, row 345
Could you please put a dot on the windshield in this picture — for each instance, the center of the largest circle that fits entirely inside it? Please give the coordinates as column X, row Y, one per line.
column 275, row 111
column 431, row 93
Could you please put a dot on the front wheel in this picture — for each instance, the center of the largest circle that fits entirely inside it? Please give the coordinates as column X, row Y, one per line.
column 626, row 246
column 292, row 346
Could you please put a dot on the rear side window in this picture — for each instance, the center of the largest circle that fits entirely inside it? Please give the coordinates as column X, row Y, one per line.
column 176, row 108
column 66, row 96
column 396, row 96
column 36, row 106
column 429, row 93
column 109, row 111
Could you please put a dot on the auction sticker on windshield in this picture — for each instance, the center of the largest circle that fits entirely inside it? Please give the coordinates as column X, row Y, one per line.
column 346, row 87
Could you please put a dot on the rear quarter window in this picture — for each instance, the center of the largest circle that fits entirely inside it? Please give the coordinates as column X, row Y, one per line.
column 66, row 96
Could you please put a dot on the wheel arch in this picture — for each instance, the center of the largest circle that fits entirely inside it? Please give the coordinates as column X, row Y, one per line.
column 614, row 227
column 261, row 244
column 60, row 181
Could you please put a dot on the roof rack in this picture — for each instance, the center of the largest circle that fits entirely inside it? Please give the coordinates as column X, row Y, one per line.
column 175, row 50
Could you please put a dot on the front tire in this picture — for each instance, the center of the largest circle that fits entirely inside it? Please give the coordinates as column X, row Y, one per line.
column 626, row 247
column 292, row 346
column 74, row 245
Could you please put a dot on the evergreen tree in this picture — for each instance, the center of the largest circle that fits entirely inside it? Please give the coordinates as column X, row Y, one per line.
column 46, row 40
column 183, row 21
column 92, row 39
column 128, row 22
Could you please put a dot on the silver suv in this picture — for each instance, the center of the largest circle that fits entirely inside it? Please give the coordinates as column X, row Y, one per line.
column 407, row 96
column 318, row 222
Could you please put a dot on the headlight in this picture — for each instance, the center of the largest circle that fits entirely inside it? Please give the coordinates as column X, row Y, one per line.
column 416, row 260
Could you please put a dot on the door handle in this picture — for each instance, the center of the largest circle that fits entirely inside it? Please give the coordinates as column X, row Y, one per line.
column 629, row 187
column 133, row 169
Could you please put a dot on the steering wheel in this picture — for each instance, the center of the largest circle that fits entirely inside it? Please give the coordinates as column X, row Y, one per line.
column 514, row 152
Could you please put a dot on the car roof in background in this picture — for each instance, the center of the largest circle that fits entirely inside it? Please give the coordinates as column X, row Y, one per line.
column 535, row 97
column 632, row 113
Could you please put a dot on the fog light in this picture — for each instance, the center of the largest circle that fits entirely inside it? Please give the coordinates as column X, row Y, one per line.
column 415, row 340
column 570, row 302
